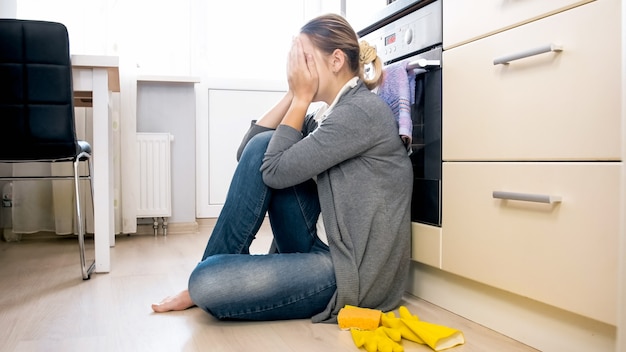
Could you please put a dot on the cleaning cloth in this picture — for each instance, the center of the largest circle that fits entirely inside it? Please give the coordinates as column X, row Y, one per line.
column 398, row 91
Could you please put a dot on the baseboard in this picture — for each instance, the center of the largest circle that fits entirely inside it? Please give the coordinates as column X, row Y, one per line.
column 173, row 228
column 533, row 323
column 206, row 224
column 203, row 225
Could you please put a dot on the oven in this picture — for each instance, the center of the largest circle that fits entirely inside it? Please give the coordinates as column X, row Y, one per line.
column 412, row 30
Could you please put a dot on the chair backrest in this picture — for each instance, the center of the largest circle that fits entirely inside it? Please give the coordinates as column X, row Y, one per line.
column 36, row 95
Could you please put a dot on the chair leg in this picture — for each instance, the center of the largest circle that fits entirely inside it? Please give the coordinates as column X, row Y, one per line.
column 85, row 270
column 92, row 265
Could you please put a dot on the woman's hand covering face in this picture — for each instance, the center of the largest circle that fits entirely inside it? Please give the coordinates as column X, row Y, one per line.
column 302, row 73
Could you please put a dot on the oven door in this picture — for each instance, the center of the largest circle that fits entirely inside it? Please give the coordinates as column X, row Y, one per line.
column 426, row 143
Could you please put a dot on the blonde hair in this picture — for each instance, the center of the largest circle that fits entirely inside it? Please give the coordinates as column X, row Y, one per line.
column 367, row 56
column 332, row 31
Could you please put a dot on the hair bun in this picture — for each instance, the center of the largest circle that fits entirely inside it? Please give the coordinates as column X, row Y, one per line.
column 367, row 53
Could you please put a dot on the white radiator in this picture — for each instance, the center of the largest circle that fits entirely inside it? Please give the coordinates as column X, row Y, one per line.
column 155, row 186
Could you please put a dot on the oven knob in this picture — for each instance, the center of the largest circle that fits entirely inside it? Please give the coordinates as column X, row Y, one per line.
column 408, row 36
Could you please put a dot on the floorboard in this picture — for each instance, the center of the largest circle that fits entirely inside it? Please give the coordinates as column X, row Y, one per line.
column 46, row 306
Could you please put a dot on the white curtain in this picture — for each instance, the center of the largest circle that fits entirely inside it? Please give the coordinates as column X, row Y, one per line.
column 50, row 205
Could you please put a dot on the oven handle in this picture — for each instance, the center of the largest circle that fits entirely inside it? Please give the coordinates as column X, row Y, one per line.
column 423, row 64
column 506, row 59
column 527, row 197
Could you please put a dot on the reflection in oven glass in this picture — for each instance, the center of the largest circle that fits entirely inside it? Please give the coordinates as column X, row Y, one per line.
column 426, row 146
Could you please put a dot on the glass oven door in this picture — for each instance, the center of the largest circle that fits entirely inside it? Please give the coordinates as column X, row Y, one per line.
column 426, row 147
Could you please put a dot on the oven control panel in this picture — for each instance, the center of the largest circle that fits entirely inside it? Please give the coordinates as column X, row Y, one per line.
column 409, row 34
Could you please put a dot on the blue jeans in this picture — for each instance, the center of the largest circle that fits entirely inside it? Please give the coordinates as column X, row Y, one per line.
column 296, row 281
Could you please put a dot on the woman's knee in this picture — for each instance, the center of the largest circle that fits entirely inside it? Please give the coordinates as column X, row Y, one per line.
column 258, row 144
column 200, row 283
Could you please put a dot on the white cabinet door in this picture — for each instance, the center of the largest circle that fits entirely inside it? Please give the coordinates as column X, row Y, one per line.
column 230, row 112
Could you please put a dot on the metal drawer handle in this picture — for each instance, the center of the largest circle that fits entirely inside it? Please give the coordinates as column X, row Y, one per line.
column 526, row 197
column 504, row 60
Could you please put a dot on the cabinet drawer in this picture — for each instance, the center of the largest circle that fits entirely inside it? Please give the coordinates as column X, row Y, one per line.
column 551, row 106
column 564, row 254
column 465, row 20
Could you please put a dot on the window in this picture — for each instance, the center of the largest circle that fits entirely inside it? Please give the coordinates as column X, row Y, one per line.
column 228, row 39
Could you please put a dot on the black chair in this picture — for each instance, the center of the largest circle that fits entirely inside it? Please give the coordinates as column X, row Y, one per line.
column 37, row 107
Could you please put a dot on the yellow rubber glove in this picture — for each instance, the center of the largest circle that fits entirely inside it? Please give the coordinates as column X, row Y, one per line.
column 377, row 340
column 390, row 320
column 438, row 337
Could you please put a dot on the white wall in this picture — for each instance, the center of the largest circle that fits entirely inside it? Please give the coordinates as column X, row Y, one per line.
column 361, row 12
column 170, row 107
column 8, row 8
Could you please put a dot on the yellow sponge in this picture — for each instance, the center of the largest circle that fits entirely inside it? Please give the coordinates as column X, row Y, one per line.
column 351, row 317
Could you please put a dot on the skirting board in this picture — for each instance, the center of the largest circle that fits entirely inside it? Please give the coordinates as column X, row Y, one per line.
column 173, row 228
column 538, row 325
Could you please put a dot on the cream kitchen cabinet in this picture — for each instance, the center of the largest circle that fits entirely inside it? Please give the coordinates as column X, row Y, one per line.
column 470, row 20
column 547, row 127
column 552, row 106
column 563, row 253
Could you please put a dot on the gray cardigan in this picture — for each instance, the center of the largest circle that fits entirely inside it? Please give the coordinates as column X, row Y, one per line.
column 364, row 179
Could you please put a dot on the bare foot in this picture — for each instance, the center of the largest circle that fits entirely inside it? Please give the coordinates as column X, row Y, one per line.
column 180, row 301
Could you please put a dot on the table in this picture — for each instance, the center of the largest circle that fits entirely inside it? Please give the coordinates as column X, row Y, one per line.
column 94, row 77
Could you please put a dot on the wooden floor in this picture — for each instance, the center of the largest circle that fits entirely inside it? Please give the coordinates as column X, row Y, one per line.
column 46, row 306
